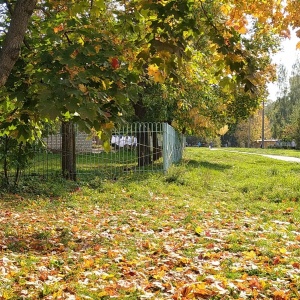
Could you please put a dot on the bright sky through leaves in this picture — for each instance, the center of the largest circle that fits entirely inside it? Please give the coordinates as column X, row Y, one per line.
column 287, row 57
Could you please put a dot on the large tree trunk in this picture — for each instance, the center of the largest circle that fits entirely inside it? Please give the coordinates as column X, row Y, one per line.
column 147, row 138
column 157, row 149
column 14, row 38
column 144, row 146
column 68, row 161
column 143, row 138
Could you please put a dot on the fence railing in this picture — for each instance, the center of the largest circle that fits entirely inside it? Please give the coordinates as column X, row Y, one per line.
column 137, row 147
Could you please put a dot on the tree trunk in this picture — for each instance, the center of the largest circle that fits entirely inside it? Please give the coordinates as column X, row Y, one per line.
column 157, row 150
column 5, row 163
column 143, row 137
column 68, row 151
column 11, row 46
column 144, row 146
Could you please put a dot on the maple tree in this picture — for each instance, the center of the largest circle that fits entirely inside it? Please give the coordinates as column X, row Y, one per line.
column 73, row 36
column 14, row 39
column 91, row 61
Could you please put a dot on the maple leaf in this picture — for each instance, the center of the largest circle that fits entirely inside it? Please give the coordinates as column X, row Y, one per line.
column 243, row 30
column 82, row 88
column 280, row 295
column 154, row 72
column 115, row 63
column 58, row 28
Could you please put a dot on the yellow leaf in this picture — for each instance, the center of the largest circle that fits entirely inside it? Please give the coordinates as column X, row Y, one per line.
column 282, row 250
column 107, row 276
column 250, row 255
column 159, row 275
column 223, row 130
column 198, row 230
column 80, row 41
column 88, row 263
column 298, row 45
column 102, row 294
column 95, row 78
column 103, row 84
column 154, row 72
column 225, row 8
column 82, row 88
column 106, row 145
column 243, row 30
column 97, row 48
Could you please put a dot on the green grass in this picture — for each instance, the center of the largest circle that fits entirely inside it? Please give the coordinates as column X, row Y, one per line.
column 219, row 225
column 88, row 165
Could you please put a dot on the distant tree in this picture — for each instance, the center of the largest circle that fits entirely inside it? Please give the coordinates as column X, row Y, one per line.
column 285, row 111
column 251, row 129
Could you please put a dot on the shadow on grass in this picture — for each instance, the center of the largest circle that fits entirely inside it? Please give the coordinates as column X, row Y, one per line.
column 208, row 165
column 53, row 189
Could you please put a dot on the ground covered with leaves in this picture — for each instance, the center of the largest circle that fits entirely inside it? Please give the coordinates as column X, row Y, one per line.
column 218, row 226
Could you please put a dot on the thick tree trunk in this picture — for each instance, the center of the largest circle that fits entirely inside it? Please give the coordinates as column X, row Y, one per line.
column 143, row 138
column 68, row 161
column 14, row 38
column 157, row 150
column 144, row 146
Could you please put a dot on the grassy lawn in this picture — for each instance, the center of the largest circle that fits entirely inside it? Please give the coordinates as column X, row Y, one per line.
column 106, row 165
column 220, row 225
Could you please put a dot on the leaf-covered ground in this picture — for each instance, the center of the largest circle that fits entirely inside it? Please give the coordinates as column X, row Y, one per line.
column 164, row 237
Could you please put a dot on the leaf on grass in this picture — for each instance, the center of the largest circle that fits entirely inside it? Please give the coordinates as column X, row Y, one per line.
column 280, row 295
column 198, row 230
column 282, row 250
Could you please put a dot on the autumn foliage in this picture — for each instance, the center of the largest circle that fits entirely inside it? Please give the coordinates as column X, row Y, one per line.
column 205, row 231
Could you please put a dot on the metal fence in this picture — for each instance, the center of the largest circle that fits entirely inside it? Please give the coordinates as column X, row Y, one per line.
column 135, row 148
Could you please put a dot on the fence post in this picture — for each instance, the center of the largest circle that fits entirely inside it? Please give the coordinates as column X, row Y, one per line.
column 165, row 148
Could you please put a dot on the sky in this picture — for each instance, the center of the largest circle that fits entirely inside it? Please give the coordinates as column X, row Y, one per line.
column 287, row 57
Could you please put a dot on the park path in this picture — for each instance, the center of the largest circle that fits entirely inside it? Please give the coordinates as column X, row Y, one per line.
column 279, row 157
column 285, row 158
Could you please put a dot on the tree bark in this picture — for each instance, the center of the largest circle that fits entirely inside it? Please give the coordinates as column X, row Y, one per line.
column 11, row 46
column 68, row 161
column 143, row 146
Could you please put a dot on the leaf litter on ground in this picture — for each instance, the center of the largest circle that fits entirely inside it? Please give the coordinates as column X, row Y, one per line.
column 163, row 248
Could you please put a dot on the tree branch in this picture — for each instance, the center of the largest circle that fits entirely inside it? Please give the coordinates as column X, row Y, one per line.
column 15, row 36
column 208, row 18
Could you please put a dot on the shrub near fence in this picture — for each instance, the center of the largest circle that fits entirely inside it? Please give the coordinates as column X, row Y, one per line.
column 138, row 147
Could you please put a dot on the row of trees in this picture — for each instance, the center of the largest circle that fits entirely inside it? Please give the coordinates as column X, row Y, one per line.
column 284, row 113
column 282, row 116
column 198, row 65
